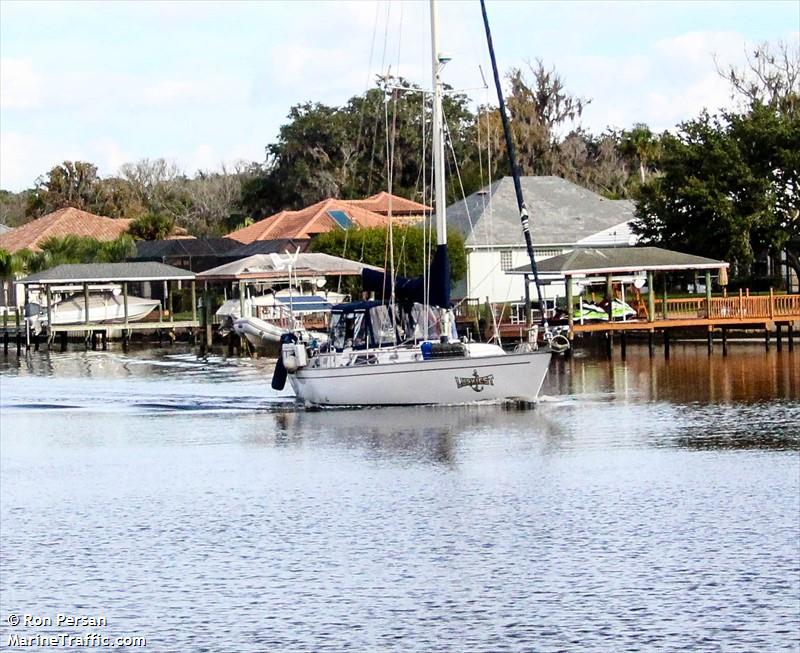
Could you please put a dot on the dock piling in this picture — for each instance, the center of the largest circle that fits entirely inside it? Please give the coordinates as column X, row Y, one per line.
column 790, row 335
column 17, row 334
column 666, row 343
column 724, row 341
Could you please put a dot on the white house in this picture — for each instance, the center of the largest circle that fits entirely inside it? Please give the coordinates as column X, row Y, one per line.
column 563, row 216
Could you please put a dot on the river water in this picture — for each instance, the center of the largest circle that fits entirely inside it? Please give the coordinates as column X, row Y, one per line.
column 645, row 505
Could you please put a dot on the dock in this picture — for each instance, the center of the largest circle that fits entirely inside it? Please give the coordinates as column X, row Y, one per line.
column 120, row 282
column 640, row 278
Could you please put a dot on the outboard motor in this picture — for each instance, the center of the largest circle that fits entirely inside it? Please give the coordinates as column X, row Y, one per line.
column 293, row 354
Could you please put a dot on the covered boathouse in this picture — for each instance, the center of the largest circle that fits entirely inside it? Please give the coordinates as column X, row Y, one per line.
column 635, row 275
column 98, row 298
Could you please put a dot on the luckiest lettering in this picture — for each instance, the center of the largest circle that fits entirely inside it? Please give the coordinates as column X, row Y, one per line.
column 476, row 381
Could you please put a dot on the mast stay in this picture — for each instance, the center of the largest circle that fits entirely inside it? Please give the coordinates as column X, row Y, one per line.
column 512, row 159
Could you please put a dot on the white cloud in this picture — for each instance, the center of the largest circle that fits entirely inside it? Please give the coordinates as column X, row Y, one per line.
column 21, row 87
column 23, row 157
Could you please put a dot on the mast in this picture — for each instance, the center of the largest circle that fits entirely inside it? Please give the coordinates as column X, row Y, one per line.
column 512, row 159
column 438, row 128
column 439, row 278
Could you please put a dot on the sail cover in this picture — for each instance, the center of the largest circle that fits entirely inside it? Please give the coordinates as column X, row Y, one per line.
column 412, row 290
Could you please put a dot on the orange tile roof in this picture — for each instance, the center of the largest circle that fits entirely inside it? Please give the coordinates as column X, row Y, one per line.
column 379, row 203
column 61, row 223
column 307, row 222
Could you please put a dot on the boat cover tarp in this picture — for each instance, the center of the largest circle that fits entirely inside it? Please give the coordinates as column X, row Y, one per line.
column 268, row 266
column 412, row 290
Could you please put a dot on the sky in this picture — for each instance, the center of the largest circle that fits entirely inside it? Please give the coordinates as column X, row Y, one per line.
column 207, row 84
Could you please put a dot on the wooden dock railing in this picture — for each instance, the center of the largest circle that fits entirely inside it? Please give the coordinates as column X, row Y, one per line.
column 735, row 307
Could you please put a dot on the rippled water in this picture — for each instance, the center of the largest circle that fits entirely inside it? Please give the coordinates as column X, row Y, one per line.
column 648, row 505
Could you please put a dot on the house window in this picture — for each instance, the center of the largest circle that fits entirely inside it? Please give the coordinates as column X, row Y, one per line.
column 505, row 260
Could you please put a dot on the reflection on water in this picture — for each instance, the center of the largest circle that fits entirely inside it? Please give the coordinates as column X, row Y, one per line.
column 747, row 374
column 644, row 505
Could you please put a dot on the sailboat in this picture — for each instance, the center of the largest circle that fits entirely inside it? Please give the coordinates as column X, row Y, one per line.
column 403, row 349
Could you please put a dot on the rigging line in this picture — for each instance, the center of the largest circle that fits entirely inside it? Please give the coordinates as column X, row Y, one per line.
column 391, row 228
column 449, row 140
column 523, row 209
column 344, row 255
column 378, row 107
column 390, row 153
column 366, row 84
column 490, row 230
column 425, row 219
column 426, row 215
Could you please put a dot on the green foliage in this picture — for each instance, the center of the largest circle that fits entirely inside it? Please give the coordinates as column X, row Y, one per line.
column 727, row 188
column 152, row 226
column 641, row 145
column 6, row 264
column 371, row 246
column 204, row 205
column 12, row 207
column 75, row 184
column 74, row 249
column 325, row 151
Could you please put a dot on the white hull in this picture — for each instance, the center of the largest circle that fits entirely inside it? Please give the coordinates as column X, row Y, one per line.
column 260, row 333
column 102, row 308
column 438, row 381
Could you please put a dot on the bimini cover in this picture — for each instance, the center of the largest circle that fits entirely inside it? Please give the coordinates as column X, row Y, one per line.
column 412, row 290
column 360, row 325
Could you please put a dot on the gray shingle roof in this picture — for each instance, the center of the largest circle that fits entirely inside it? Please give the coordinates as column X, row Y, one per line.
column 621, row 259
column 560, row 213
column 108, row 272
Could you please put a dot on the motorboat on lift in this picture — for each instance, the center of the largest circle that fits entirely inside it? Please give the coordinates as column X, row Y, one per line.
column 107, row 306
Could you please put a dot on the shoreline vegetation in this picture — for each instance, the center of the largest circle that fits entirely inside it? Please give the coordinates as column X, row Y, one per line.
column 722, row 185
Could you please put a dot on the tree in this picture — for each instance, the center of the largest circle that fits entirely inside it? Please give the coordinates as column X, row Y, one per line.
column 73, row 184
column 158, row 187
column 370, row 246
column 12, row 207
column 770, row 76
column 538, row 107
column 728, row 187
column 152, row 226
column 325, row 151
column 640, row 145
column 76, row 249
column 213, row 206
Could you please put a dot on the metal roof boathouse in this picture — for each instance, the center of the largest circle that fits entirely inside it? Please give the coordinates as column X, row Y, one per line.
column 624, row 271
column 92, row 298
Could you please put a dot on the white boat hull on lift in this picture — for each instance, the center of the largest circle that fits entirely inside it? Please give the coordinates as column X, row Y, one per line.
column 508, row 377
column 104, row 307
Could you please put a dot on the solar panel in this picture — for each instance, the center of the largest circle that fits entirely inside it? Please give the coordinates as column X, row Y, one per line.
column 341, row 219
column 305, row 303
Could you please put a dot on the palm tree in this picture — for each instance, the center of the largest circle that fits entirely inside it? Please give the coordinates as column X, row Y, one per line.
column 639, row 143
